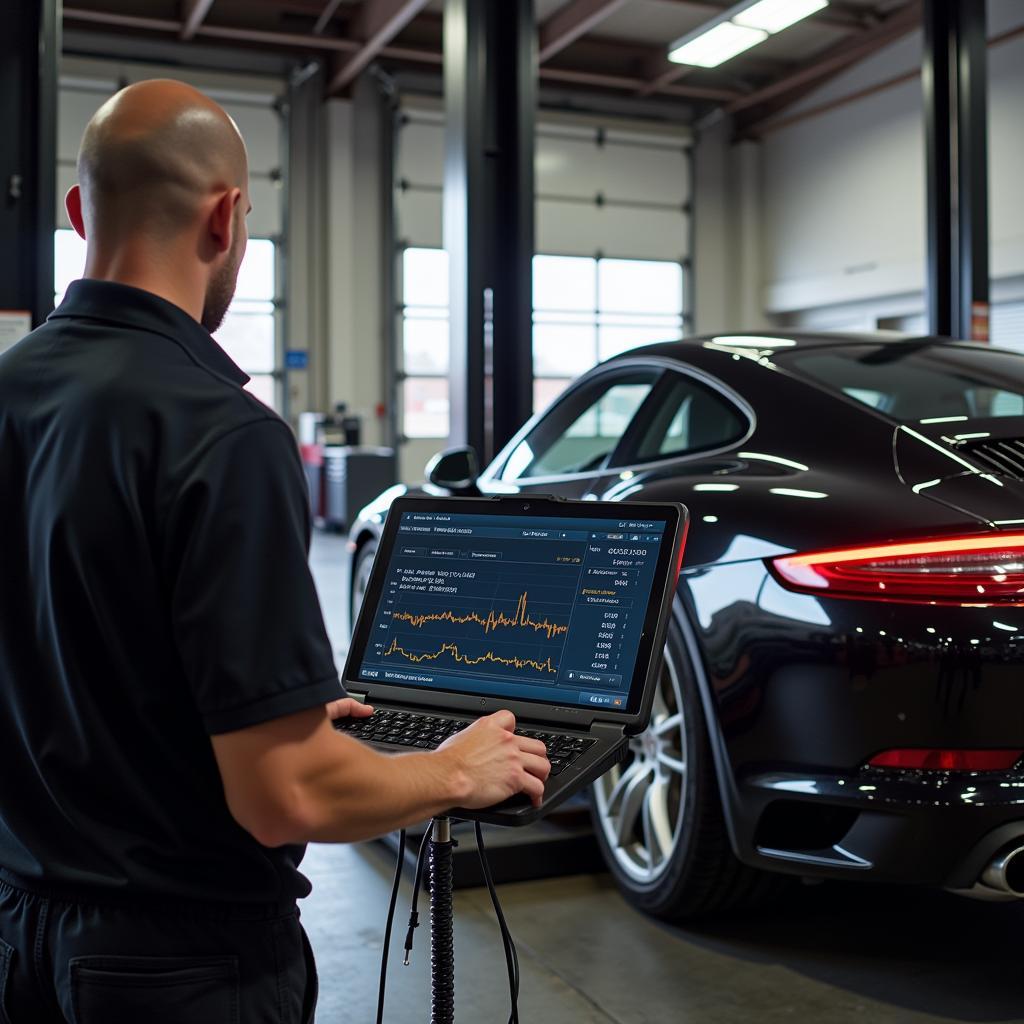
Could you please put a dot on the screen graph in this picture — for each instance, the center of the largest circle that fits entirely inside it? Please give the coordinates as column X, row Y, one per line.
column 515, row 607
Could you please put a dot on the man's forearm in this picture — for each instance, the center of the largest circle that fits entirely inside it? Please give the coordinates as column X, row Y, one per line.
column 369, row 794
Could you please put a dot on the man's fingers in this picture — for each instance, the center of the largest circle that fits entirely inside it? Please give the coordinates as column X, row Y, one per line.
column 347, row 707
column 533, row 788
column 538, row 766
column 505, row 719
column 528, row 746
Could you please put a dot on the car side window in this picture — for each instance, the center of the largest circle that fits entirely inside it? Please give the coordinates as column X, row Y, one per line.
column 581, row 430
column 686, row 417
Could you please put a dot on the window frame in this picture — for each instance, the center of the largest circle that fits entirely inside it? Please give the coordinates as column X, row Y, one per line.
column 492, row 474
column 583, row 398
column 647, row 414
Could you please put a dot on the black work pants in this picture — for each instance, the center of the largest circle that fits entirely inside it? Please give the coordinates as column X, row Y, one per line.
column 69, row 962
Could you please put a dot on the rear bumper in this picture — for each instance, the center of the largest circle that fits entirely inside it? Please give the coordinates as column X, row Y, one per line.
column 932, row 828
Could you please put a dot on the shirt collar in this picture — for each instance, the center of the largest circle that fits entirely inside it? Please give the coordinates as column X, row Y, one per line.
column 124, row 305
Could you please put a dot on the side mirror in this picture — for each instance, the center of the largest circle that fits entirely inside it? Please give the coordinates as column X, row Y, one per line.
column 454, row 469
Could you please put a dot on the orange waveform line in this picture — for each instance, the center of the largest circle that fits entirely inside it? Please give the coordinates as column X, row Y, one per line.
column 465, row 659
column 493, row 621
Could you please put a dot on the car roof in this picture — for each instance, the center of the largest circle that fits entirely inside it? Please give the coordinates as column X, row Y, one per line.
column 781, row 344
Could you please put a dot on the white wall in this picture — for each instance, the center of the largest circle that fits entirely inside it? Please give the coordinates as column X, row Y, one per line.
column 843, row 192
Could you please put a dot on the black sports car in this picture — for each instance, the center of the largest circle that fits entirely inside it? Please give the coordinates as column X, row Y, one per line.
column 843, row 692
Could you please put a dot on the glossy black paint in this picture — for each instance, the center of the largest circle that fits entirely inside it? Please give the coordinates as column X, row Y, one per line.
column 800, row 691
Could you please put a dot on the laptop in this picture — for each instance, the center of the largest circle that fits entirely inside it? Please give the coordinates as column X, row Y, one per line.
column 553, row 609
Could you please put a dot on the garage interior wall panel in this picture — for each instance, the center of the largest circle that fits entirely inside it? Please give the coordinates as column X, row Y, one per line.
column 843, row 193
column 1006, row 143
column 844, row 216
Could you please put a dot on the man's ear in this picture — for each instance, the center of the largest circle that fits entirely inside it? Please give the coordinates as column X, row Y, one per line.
column 73, row 204
column 222, row 219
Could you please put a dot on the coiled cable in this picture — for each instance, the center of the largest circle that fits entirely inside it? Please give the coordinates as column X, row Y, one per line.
column 442, row 953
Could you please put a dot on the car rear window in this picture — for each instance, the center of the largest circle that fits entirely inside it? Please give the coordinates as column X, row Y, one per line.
column 919, row 381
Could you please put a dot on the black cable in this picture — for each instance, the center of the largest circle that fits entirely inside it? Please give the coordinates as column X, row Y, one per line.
column 414, row 917
column 511, row 956
column 442, row 931
column 388, row 926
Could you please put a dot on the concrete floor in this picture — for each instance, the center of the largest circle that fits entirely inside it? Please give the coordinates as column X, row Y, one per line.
column 832, row 954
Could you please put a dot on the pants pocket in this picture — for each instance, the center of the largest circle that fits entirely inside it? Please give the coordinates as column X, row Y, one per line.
column 6, row 955
column 154, row 989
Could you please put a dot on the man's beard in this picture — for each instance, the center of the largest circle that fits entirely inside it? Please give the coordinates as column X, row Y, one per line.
column 221, row 290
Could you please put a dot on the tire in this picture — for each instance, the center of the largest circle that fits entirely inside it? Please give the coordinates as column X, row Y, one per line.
column 658, row 816
column 360, row 577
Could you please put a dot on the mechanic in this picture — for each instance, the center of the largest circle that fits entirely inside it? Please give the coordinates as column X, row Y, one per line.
column 167, row 680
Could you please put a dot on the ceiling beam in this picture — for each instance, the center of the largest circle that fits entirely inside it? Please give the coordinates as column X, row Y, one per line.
column 278, row 40
column 325, row 16
column 667, row 77
column 695, row 92
column 295, row 42
column 766, row 124
column 193, row 13
column 570, row 22
column 375, row 25
column 836, row 59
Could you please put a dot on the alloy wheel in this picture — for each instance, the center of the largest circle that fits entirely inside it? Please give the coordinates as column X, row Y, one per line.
column 641, row 803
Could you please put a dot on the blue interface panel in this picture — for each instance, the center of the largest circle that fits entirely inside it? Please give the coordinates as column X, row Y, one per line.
column 524, row 608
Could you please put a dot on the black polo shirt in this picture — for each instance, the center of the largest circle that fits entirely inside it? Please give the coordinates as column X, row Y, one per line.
column 154, row 590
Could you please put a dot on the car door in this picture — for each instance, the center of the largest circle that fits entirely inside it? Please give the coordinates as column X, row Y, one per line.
column 571, row 447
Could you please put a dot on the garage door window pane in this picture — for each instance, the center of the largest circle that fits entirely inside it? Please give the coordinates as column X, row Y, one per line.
column 68, row 261
column 547, row 389
column 256, row 274
column 564, row 283
column 248, row 338
column 613, row 340
column 640, row 286
column 426, row 406
column 262, row 386
column 426, row 346
column 562, row 350
column 425, row 277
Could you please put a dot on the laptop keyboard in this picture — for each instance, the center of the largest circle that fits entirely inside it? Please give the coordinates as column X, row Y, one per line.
column 427, row 732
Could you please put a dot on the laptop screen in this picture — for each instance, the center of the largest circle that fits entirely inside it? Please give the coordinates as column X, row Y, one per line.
column 547, row 609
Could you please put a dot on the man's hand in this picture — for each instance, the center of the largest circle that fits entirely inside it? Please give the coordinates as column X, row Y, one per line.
column 347, row 707
column 495, row 763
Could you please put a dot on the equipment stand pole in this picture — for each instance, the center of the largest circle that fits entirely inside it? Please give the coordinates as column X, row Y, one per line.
column 442, row 951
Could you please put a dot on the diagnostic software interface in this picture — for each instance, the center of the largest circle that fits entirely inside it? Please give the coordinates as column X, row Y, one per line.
column 524, row 608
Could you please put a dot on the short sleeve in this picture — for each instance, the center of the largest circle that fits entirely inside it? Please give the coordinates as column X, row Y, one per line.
column 246, row 617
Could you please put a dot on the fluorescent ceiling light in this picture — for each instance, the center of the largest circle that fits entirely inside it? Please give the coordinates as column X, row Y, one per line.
column 774, row 15
column 738, row 28
column 717, row 45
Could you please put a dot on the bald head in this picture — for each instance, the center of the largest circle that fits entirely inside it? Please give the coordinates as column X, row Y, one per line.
column 162, row 196
column 150, row 157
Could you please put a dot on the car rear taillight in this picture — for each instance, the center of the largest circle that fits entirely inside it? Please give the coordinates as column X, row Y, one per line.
column 924, row 759
column 977, row 570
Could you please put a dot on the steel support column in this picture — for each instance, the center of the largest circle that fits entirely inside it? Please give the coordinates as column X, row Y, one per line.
column 29, row 46
column 954, row 79
column 490, row 84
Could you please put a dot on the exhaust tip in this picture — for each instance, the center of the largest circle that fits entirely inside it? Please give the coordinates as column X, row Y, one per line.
column 1006, row 872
